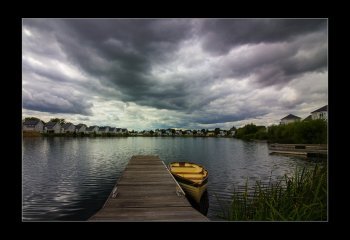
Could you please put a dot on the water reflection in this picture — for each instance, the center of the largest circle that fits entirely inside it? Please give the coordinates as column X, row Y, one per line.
column 70, row 178
column 203, row 205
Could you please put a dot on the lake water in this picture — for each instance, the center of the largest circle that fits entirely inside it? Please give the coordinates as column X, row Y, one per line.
column 69, row 179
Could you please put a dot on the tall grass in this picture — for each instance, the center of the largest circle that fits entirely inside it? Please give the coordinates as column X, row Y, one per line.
column 301, row 197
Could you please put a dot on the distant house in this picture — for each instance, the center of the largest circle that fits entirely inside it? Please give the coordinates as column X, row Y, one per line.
column 222, row 133
column 52, row 127
column 112, row 130
column 290, row 119
column 157, row 132
column 118, row 130
column 231, row 132
column 80, row 128
column 146, row 133
column 133, row 133
column 188, row 132
column 92, row 129
column 68, row 128
column 33, row 125
column 210, row 133
column 178, row 132
column 308, row 118
column 103, row 129
column 200, row 133
column 321, row 113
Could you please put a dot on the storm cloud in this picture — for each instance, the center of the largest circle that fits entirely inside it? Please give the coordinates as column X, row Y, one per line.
column 201, row 72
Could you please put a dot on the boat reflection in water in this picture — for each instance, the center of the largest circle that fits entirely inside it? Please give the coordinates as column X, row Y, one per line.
column 203, row 205
column 193, row 179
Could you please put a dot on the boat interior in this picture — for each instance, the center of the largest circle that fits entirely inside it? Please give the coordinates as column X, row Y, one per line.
column 189, row 171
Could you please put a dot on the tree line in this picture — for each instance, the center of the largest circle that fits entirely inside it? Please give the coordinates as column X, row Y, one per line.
column 59, row 120
column 304, row 132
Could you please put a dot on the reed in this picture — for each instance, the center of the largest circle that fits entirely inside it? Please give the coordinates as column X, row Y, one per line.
column 301, row 197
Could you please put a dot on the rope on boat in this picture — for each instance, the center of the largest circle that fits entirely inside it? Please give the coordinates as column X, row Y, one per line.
column 179, row 191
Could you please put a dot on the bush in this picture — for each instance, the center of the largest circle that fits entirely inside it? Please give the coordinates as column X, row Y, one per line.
column 251, row 131
column 305, row 132
column 302, row 197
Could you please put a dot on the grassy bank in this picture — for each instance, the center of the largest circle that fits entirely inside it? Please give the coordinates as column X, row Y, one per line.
column 302, row 197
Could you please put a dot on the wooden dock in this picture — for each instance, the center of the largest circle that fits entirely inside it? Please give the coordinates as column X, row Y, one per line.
column 147, row 191
column 308, row 150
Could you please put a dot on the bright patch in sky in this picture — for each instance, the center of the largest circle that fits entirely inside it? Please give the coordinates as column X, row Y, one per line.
column 173, row 73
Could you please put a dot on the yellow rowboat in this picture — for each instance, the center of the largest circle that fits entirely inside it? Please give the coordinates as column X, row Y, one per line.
column 193, row 178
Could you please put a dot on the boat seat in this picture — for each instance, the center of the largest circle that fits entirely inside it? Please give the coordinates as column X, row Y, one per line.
column 185, row 171
column 192, row 176
column 189, row 169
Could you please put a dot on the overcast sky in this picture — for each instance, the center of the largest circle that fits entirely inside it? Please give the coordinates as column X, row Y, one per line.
column 182, row 73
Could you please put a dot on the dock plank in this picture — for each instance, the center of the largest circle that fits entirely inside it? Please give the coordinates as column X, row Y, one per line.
column 151, row 214
column 146, row 191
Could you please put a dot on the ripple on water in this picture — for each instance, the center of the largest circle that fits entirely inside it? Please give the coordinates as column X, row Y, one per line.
column 70, row 178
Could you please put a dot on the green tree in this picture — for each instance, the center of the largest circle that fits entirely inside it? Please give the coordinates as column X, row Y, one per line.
column 31, row 119
column 217, row 131
column 59, row 120
column 251, row 131
column 305, row 132
column 261, row 134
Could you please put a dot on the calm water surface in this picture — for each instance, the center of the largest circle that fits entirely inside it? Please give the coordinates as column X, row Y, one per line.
column 70, row 178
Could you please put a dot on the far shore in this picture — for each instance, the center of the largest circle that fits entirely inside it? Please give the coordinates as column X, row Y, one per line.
column 38, row 134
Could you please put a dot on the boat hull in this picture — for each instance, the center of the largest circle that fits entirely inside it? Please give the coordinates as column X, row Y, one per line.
column 193, row 178
column 194, row 192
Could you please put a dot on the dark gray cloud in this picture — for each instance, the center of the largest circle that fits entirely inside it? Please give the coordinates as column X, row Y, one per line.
column 220, row 35
column 276, row 61
column 176, row 64
column 131, row 45
column 55, row 103
column 129, row 48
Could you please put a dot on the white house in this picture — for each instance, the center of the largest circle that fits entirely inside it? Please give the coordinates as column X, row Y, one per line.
column 33, row 125
column 112, row 130
column 308, row 118
column 68, row 128
column 52, row 127
column 178, row 133
column 118, row 130
column 133, row 133
column 157, row 132
column 321, row 113
column 92, row 129
column 290, row 119
column 222, row 133
column 146, row 133
column 188, row 132
column 199, row 133
column 80, row 128
column 125, row 131
column 103, row 129
column 210, row 133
